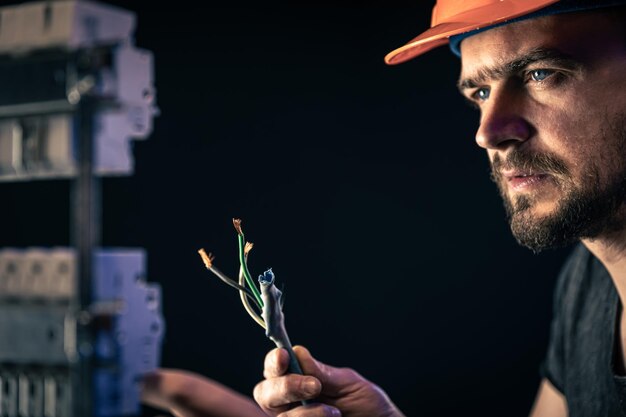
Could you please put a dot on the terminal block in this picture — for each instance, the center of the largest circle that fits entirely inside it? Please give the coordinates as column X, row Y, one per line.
column 38, row 325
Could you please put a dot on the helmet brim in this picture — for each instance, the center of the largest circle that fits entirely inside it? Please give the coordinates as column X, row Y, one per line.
column 475, row 19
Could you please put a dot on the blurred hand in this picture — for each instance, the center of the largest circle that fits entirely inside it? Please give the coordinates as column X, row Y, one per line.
column 186, row 394
column 336, row 391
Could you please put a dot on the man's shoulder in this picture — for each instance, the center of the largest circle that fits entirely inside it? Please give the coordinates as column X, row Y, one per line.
column 583, row 284
column 574, row 274
column 577, row 262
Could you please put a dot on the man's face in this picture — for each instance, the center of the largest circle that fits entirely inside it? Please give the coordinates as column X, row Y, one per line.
column 552, row 98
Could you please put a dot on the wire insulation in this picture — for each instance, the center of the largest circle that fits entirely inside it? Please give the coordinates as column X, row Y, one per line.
column 208, row 262
column 242, row 281
column 242, row 261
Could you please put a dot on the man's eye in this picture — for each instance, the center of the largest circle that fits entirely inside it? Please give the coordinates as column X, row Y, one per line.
column 539, row 75
column 481, row 94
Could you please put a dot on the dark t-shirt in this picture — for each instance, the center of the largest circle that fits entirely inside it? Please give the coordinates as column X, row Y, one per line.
column 579, row 360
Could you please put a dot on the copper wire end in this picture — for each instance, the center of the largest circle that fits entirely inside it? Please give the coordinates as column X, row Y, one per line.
column 207, row 258
column 247, row 248
column 237, row 224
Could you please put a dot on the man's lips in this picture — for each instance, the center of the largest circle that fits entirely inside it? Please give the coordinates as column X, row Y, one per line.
column 520, row 180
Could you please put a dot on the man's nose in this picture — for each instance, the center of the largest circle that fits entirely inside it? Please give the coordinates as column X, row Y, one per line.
column 502, row 121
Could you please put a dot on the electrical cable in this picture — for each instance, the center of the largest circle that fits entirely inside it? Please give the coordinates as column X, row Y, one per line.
column 269, row 300
column 208, row 263
column 243, row 295
column 242, row 260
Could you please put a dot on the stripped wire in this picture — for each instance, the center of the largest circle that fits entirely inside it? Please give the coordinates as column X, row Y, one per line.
column 243, row 263
column 243, row 295
column 208, row 262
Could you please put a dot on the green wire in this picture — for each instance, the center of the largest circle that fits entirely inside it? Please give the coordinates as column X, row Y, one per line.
column 246, row 273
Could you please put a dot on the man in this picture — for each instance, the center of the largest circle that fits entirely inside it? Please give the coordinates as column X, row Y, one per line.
column 549, row 79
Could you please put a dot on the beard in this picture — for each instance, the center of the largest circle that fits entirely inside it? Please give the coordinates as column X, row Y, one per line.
column 584, row 211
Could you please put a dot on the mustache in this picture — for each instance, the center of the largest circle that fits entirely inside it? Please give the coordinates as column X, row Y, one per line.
column 545, row 163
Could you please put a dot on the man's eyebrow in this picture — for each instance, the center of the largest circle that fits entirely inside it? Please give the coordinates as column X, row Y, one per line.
column 508, row 69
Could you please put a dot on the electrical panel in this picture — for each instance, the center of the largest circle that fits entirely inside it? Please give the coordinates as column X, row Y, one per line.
column 79, row 325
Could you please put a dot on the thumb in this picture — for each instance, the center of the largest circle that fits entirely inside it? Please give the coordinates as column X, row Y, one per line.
column 334, row 380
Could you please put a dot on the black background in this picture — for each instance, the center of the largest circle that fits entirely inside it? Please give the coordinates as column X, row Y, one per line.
column 360, row 185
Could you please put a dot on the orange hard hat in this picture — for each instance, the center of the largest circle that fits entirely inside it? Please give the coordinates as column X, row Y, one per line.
column 454, row 20
column 453, row 17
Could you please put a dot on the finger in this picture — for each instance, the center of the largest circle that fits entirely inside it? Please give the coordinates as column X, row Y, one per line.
column 314, row 410
column 333, row 379
column 276, row 363
column 278, row 393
